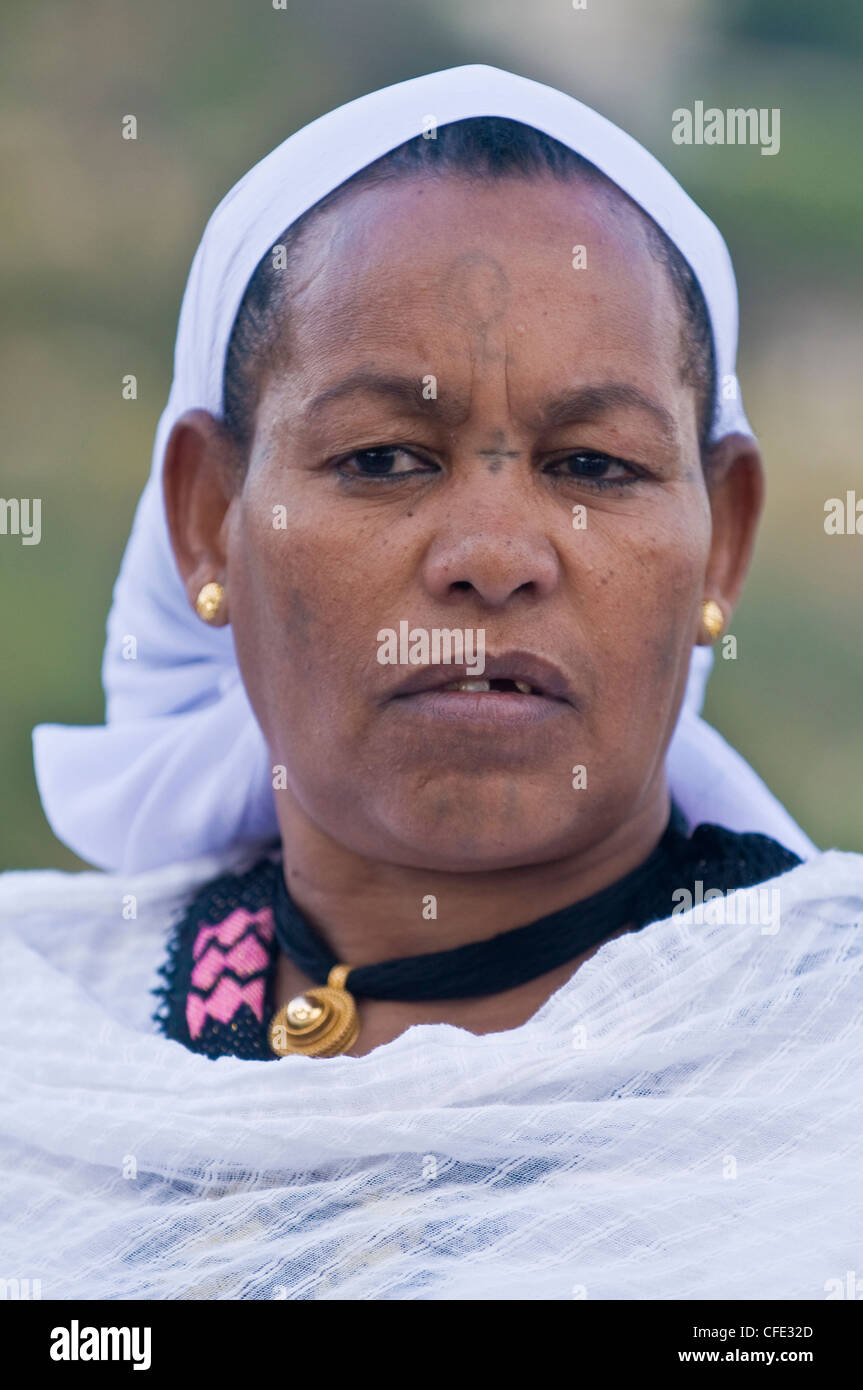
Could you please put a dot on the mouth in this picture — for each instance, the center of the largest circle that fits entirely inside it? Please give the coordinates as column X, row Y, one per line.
column 474, row 686
column 514, row 688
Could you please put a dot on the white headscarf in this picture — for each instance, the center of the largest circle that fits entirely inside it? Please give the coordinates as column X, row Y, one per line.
column 180, row 767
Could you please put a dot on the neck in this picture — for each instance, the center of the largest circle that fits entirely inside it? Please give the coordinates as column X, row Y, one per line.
column 371, row 910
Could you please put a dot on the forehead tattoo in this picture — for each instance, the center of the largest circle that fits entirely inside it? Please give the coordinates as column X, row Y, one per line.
column 497, row 452
column 477, row 289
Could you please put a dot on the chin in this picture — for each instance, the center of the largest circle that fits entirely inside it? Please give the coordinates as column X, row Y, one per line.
column 473, row 838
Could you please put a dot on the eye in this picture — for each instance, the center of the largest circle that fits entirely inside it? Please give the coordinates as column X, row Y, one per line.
column 586, row 465
column 384, row 461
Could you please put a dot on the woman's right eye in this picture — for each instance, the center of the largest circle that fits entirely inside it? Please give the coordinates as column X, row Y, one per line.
column 387, row 461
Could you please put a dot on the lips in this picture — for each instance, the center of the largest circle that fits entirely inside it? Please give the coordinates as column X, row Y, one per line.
column 516, row 674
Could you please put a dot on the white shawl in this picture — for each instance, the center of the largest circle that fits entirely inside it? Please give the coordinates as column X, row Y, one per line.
column 682, row 1119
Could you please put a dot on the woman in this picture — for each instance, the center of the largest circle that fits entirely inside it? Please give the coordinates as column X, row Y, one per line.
column 456, row 364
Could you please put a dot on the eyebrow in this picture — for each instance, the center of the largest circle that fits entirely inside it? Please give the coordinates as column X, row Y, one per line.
column 578, row 406
column 588, row 403
column 400, row 390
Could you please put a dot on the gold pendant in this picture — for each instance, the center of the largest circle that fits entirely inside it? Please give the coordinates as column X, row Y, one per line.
column 320, row 1023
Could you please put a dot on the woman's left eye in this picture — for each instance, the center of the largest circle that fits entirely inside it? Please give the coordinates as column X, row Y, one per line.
column 388, row 461
column 600, row 469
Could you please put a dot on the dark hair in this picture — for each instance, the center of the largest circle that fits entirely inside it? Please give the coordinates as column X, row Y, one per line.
column 484, row 147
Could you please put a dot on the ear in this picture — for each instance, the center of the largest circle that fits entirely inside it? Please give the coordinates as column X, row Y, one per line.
column 735, row 485
column 201, row 478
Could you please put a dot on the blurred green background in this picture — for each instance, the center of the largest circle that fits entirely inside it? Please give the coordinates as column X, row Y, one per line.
column 101, row 232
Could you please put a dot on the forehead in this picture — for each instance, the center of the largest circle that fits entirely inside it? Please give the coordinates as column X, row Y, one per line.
column 555, row 276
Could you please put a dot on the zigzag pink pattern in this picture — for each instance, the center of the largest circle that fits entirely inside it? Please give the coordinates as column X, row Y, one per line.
column 246, row 934
column 247, row 957
column 223, row 1003
column 233, row 927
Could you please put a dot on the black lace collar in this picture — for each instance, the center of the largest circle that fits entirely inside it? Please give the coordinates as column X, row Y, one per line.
column 219, row 977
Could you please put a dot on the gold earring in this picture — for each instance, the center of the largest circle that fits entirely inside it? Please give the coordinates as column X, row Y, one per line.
column 713, row 618
column 209, row 601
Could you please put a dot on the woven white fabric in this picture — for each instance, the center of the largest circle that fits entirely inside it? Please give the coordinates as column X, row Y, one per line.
column 145, row 789
column 682, row 1119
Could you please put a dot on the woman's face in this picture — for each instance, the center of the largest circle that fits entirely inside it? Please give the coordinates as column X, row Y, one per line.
column 470, row 429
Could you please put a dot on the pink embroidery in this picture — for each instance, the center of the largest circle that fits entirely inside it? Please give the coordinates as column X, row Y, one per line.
column 196, row 1012
column 233, row 927
column 246, row 934
column 247, row 957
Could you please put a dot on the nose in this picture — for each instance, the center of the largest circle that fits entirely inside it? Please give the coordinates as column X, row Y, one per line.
column 496, row 550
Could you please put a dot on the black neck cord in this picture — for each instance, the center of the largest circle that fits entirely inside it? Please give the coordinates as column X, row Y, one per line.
column 512, row 957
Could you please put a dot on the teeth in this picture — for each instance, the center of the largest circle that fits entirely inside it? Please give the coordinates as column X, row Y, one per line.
column 479, row 687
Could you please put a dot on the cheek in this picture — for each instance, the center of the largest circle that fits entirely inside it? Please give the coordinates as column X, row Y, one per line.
column 647, row 579
column 308, row 596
